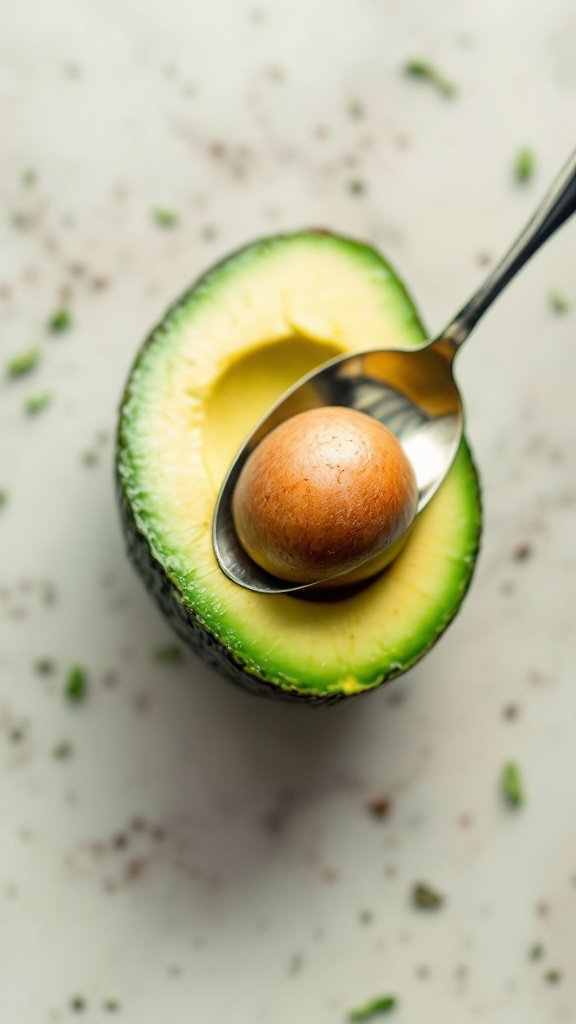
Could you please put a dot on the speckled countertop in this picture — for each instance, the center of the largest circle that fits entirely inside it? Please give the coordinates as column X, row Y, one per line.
column 173, row 851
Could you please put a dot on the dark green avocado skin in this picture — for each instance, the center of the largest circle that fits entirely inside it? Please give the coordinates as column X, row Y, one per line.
column 188, row 628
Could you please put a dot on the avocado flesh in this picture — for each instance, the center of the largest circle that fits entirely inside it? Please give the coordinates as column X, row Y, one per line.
column 221, row 356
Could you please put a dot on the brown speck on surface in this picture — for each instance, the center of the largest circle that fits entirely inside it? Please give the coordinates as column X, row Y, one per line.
column 329, row 875
column 462, row 973
column 321, row 131
column 76, row 269
column 120, row 841
column 423, row 972
column 543, row 909
column 465, row 820
column 276, row 819
column 484, row 259
column 100, row 283
column 97, row 848
column 522, row 552
column 134, row 869
column 31, row 275
column 44, row 666
column 380, row 807
column 511, row 712
column 295, row 964
column 217, row 150
column 141, row 702
column 396, row 698
column 175, row 971
column 208, row 233
column 63, row 751
column 18, row 612
column 538, row 678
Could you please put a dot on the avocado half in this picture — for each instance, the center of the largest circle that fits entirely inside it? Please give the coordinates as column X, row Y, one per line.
column 221, row 356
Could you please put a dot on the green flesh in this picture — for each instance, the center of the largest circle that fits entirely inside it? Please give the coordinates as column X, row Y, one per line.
column 221, row 356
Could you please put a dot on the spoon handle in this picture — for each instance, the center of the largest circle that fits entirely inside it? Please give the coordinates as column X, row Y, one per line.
column 558, row 204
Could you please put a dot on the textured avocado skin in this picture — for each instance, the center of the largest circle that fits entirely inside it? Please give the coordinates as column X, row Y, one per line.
column 181, row 617
column 186, row 624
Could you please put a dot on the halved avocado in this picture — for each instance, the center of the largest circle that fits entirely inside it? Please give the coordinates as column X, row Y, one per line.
column 222, row 354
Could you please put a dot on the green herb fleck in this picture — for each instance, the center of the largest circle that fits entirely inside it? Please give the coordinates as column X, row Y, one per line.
column 20, row 220
column 77, row 1004
column 382, row 1004
column 76, row 684
column 49, row 594
column 512, row 788
column 167, row 653
column 536, row 951
column 356, row 110
column 38, row 402
column 553, row 977
column 89, row 458
column 558, row 302
column 424, row 896
column 427, row 72
column 296, row 964
column 164, row 218
column 356, row 187
column 16, row 735
column 3, row 498
column 111, row 1005
column 60, row 321
column 29, row 177
column 524, row 165
column 23, row 363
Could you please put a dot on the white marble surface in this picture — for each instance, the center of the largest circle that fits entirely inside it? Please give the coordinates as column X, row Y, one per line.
column 173, row 844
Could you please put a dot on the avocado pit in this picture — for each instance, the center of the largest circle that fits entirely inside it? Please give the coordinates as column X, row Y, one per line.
column 328, row 495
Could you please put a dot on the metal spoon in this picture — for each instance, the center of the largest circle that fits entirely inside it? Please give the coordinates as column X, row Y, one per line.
column 412, row 392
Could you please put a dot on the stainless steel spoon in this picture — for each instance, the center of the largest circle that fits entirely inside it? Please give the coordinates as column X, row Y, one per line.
column 412, row 392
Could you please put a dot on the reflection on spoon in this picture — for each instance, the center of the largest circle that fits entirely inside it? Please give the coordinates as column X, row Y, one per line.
column 413, row 393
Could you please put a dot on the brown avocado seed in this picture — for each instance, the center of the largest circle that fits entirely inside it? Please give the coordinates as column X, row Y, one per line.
column 328, row 493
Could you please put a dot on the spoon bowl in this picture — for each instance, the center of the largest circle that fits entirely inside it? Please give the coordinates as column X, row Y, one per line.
column 412, row 392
